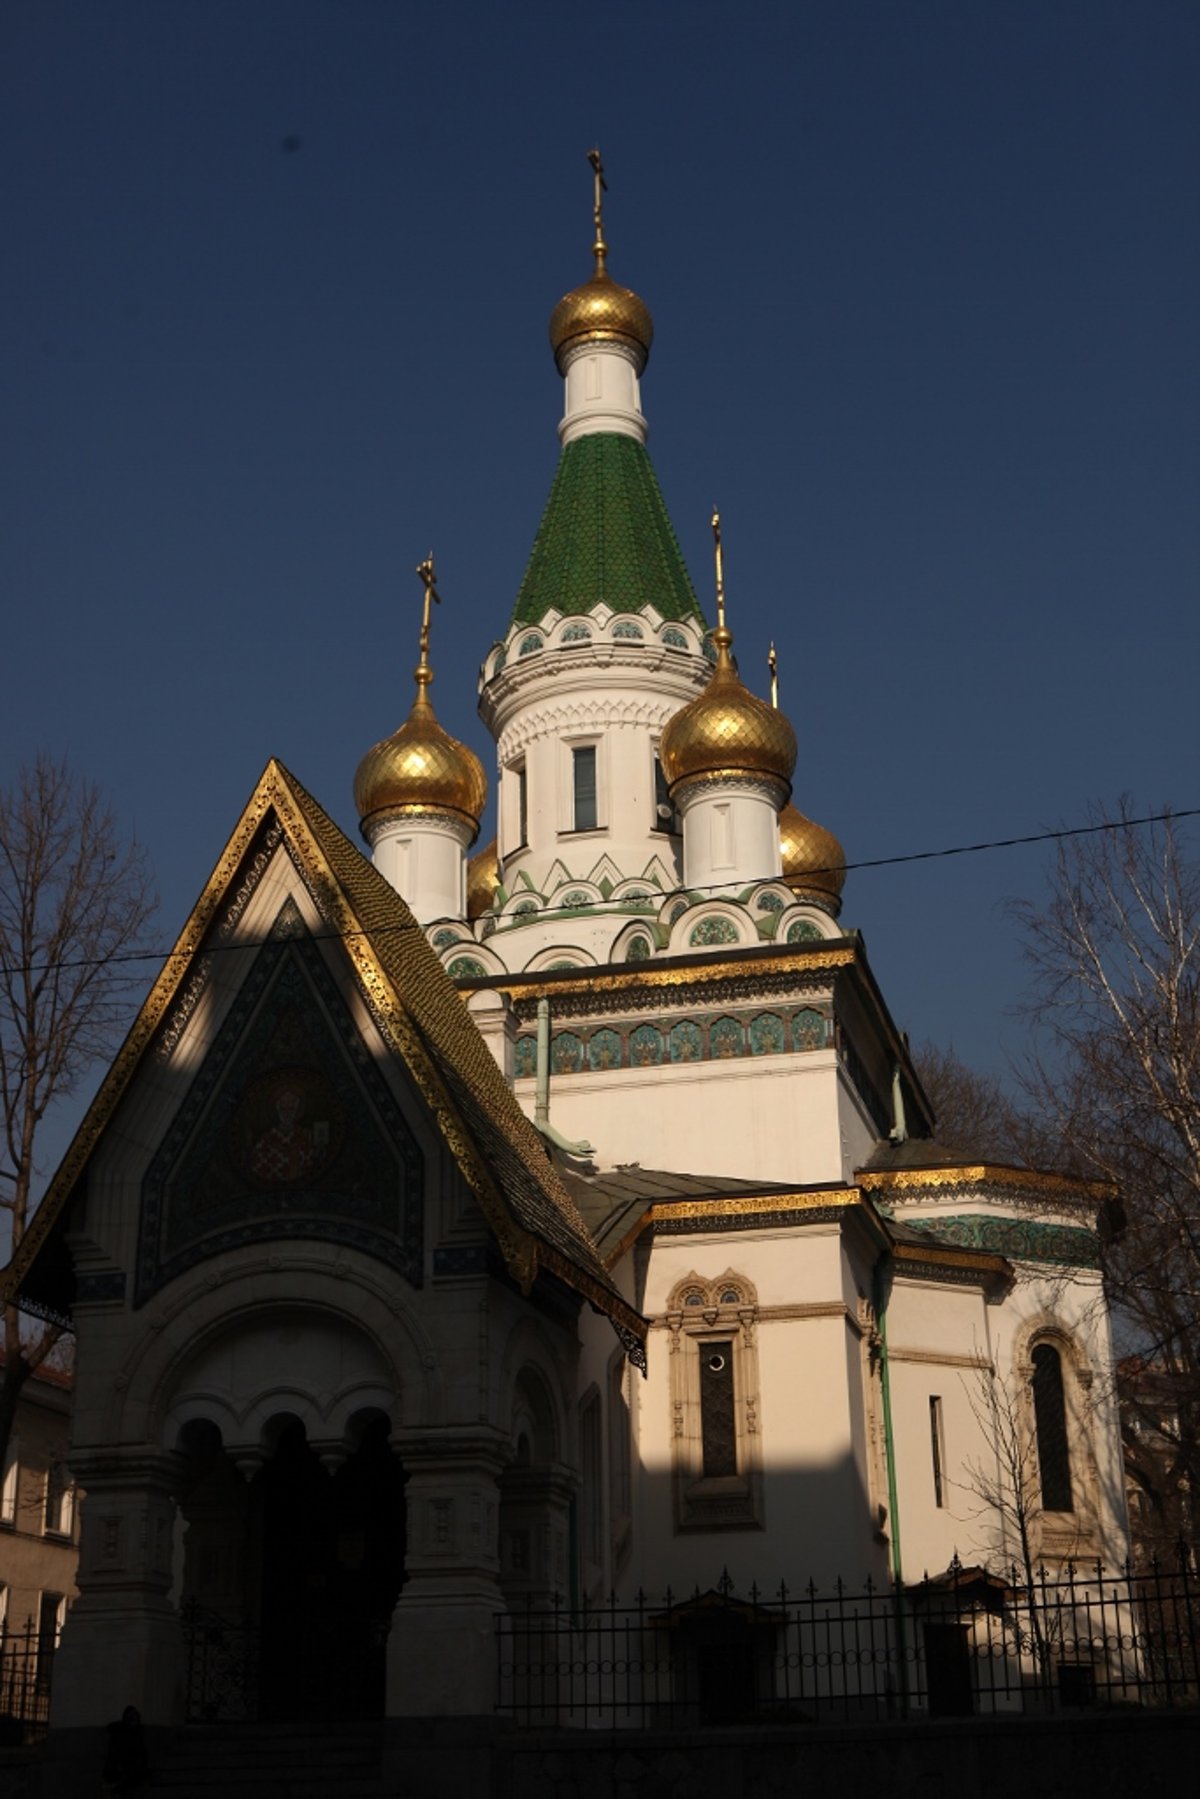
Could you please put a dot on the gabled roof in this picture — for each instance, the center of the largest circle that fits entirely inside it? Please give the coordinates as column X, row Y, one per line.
column 606, row 536
column 420, row 1015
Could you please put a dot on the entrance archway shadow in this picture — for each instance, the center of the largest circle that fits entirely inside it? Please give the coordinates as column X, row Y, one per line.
column 308, row 1556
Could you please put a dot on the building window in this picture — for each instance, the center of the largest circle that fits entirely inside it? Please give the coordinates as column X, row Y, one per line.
column 665, row 818
column 1050, row 1422
column 583, row 777
column 716, row 1428
column 8, row 1487
column 58, row 1501
column 51, row 1613
column 514, row 807
column 937, row 1449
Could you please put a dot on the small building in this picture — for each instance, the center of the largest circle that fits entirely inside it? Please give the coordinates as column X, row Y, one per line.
column 38, row 1504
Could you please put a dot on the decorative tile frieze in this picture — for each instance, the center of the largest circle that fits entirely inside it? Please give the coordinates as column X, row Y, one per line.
column 703, row 1038
column 1020, row 1239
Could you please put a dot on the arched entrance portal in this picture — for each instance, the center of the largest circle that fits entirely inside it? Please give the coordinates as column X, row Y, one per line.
column 290, row 1578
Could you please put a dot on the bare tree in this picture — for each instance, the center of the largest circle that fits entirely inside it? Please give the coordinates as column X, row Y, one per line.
column 75, row 901
column 1116, row 1077
column 1005, row 1482
column 973, row 1113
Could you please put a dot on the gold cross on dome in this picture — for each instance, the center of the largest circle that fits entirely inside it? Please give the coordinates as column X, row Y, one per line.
column 773, row 665
column 716, row 531
column 428, row 576
column 599, row 189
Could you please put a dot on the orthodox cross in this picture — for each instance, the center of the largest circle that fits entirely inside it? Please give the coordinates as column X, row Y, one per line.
column 716, row 531
column 428, row 577
column 599, row 189
column 773, row 665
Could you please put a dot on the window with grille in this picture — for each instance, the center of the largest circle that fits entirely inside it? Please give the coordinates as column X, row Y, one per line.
column 718, row 1429
column 717, row 1425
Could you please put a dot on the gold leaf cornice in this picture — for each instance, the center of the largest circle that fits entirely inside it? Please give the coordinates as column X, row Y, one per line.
column 680, row 972
column 736, row 1206
column 979, row 1174
column 912, row 1254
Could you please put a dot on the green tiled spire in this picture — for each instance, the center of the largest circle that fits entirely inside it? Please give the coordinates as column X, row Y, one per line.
column 605, row 535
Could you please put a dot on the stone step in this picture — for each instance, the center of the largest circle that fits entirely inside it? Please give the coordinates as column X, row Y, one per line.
column 272, row 1761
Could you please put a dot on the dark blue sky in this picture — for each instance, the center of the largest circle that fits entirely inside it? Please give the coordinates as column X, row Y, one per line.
column 925, row 285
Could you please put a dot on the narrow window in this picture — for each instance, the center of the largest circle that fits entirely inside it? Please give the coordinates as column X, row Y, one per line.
column 717, row 1426
column 583, row 762
column 58, row 1501
column 51, row 1612
column 935, row 1446
column 522, row 807
column 1050, row 1418
column 8, row 1489
column 664, row 811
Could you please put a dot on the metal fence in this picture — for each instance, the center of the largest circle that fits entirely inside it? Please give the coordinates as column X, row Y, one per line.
column 222, row 1659
column 26, row 1674
column 971, row 1642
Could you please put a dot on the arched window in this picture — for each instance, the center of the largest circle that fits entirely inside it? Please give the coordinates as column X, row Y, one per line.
column 716, row 1421
column 1050, row 1421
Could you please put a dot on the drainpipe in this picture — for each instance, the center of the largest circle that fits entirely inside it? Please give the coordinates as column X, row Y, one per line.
column 899, row 1130
column 889, row 1456
column 541, row 1102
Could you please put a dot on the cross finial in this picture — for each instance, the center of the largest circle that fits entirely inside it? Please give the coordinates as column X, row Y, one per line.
column 599, row 189
column 773, row 665
column 716, row 531
column 428, row 577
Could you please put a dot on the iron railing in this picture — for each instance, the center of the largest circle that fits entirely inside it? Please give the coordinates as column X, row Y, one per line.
column 222, row 1667
column 971, row 1642
column 26, row 1676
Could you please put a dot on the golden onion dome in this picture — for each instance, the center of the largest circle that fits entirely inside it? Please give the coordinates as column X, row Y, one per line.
column 727, row 730
column 601, row 311
column 421, row 768
column 483, row 878
column 814, row 862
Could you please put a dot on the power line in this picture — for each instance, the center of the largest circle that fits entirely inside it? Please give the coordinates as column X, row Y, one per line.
column 958, row 849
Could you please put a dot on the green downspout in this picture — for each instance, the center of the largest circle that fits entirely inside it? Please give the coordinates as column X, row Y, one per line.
column 889, row 1456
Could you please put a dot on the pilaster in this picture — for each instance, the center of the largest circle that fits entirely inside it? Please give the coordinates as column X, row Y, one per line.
column 442, row 1646
column 122, row 1643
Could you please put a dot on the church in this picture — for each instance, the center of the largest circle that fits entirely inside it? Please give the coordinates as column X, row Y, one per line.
column 463, row 1228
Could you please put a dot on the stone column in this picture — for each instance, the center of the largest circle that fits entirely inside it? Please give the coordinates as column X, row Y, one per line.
column 122, row 1644
column 442, row 1647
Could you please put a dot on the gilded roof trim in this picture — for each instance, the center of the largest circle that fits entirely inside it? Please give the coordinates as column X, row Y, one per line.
column 992, row 1174
column 739, row 1205
column 984, row 1260
column 681, row 971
